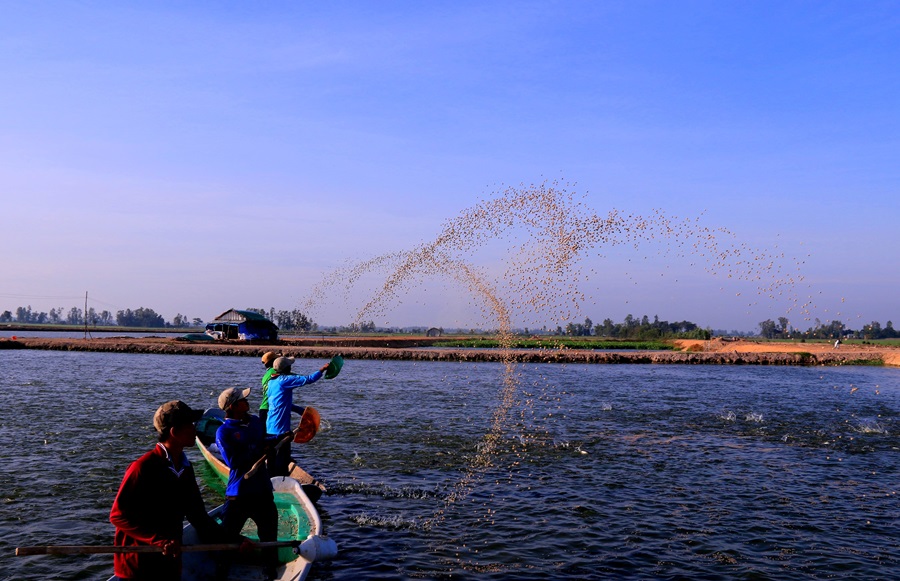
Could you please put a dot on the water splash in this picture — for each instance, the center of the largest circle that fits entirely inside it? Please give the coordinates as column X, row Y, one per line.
column 547, row 231
column 870, row 427
column 386, row 522
column 384, row 490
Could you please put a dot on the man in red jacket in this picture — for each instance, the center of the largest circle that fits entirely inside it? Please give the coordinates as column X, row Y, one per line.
column 158, row 491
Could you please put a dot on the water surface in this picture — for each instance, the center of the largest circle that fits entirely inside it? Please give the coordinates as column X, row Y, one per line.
column 599, row 472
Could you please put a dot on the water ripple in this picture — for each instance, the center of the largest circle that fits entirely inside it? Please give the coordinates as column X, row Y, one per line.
column 636, row 472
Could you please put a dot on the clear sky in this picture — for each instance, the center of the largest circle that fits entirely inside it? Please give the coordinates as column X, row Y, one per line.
column 191, row 157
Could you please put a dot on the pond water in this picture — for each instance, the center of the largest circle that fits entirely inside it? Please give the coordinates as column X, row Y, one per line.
column 588, row 471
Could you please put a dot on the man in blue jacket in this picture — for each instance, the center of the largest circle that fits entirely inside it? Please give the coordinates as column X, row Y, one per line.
column 281, row 403
column 242, row 441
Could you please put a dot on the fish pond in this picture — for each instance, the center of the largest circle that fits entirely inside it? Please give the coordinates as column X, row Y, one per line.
column 479, row 470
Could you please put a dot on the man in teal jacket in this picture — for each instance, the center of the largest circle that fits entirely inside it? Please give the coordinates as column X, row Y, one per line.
column 281, row 403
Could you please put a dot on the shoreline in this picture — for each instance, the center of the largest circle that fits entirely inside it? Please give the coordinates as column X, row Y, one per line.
column 692, row 352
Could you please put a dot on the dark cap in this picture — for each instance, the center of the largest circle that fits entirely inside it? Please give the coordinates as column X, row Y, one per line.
column 173, row 414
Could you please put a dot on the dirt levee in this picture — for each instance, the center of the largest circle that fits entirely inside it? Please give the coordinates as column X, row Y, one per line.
column 715, row 352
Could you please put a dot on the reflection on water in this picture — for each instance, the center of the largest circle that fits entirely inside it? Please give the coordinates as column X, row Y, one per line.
column 626, row 471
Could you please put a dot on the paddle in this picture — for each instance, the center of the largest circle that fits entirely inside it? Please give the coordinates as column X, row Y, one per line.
column 314, row 548
column 306, row 429
column 106, row 549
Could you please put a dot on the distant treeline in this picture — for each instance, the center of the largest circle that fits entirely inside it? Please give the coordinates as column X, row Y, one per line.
column 293, row 320
column 148, row 318
column 833, row 330
column 634, row 328
column 140, row 317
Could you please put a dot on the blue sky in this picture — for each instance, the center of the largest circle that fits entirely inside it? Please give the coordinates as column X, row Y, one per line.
column 193, row 157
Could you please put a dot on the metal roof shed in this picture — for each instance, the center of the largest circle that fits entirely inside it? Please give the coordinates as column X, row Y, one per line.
column 242, row 326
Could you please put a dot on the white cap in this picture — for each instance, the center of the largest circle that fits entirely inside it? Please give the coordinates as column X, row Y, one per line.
column 231, row 396
column 283, row 364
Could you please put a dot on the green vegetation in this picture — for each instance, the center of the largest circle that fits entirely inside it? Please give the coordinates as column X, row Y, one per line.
column 636, row 329
column 869, row 362
column 874, row 342
column 806, row 357
column 141, row 317
column 294, row 320
column 558, row 343
column 783, row 329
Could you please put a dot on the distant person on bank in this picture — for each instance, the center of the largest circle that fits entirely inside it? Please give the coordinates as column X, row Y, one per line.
column 281, row 403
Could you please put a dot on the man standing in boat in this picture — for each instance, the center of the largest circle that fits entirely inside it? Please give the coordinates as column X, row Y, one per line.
column 158, row 491
column 281, row 404
column 242, row 441
column 268, row 359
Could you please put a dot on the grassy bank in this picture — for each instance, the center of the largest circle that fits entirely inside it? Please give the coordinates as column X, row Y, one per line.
column 557, row 343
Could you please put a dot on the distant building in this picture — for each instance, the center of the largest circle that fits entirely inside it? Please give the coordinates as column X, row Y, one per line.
column 433, row 332
column 242, row 326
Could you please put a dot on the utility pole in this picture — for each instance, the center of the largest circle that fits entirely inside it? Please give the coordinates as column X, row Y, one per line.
column 86, row 331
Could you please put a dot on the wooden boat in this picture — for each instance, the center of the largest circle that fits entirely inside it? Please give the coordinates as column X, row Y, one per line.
column 206, row 435
column 298, row 521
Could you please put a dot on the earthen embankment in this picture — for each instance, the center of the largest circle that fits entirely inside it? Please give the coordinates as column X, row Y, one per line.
column 418, row 350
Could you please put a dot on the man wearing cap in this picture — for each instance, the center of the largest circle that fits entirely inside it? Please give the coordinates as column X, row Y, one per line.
column 242, row 441
column 281, row 404
column 268, row 359
column 158, row 491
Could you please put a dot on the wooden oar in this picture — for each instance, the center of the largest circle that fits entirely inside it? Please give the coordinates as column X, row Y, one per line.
column 95, row 549
column 314, row 548
column 310, row 415
column 287, row 438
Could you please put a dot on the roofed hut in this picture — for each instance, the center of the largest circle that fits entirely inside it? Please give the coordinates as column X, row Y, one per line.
column 242, row 326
